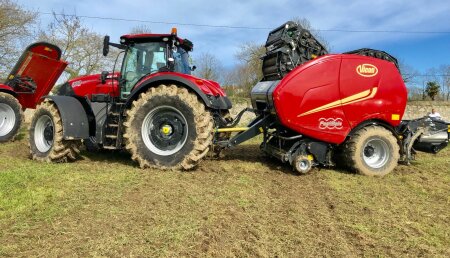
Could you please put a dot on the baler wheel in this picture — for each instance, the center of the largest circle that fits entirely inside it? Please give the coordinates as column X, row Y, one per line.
column 372, row 151
column 11, row 115
column 168, row 127
column 302, row 164
column 46, row 136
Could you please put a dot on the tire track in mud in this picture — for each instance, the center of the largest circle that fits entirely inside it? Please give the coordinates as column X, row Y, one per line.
column 306, row 204
column 316, row 204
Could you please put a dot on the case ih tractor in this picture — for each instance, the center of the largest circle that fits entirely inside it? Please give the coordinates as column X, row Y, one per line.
column 312, row 108
column 153, row 108
column 31, row 78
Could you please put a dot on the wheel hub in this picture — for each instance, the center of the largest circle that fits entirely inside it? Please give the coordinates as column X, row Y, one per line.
column 369, row 151
column 302, row 164
column 376, row 153
column 43, row 133
column 48, row 133
column 164, row 130
column 7, row 119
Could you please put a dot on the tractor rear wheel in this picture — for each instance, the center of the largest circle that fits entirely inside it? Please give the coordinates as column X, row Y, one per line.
column 10, row 117
column 168, row 127
column 46, row 136
column 372, row 151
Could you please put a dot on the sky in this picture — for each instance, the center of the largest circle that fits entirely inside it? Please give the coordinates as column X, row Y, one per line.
column 422, row 51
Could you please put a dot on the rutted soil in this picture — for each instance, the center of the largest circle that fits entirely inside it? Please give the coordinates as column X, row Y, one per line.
column 241, row 205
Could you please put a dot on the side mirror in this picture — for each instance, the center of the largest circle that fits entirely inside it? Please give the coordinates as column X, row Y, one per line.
column 103, row 76
column 106, row 45
column 193, row 68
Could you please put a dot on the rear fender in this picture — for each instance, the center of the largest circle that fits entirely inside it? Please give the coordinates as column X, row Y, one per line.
column 75, row 117
column 373, row 122
column 213, row 102
column 7, row 89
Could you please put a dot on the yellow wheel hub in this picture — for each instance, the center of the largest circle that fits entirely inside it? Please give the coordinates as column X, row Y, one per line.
column 166, row 129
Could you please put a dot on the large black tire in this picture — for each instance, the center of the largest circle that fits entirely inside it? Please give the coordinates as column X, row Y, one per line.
column 46, row 136
column 372, row 151
column 168, row 127
column 11, row 116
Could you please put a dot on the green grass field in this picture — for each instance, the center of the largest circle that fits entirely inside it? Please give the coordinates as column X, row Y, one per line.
column 241, row 205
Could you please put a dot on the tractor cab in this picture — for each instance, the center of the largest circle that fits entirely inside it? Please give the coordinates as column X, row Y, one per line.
column 146, row 54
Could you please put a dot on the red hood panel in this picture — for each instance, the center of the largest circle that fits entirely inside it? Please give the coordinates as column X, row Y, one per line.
column 40, row 62
column 85, row 86
column 91, row 84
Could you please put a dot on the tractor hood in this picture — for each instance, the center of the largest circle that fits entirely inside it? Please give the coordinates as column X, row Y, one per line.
column 87, row 85
column 84, row 80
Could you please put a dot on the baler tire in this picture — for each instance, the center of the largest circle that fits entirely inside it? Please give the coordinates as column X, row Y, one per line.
column 198, row 128
column 10, row 104
column 60, row 150
column 360, row 151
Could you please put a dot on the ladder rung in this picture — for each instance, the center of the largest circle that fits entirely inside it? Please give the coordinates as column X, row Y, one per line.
column 109, row 147
column 111, row 136
column 113, row 125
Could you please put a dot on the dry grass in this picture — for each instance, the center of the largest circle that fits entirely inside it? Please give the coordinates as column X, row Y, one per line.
column 242, row 205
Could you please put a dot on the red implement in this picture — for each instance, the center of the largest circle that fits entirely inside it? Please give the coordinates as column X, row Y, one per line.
column 329, row 96
column 35, row 74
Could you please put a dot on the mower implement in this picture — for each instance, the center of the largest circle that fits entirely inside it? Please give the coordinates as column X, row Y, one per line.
column 32, row 77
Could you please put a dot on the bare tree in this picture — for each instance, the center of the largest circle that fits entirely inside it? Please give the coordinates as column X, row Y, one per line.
column 16, row 30
column 444, row 72
column 250, row 69
column 409, row 74
column 209, row 67
column 141, row 29
column 81, row 47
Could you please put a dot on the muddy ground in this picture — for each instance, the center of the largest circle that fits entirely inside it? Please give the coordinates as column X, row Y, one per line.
column 241, row 205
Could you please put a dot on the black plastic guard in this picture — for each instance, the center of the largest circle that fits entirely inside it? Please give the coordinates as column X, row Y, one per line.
column 74, row 118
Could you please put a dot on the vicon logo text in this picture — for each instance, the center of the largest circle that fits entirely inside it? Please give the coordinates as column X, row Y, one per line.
column 367, row 70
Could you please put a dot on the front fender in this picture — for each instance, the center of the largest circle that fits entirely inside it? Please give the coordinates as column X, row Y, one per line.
column 213, row 102
column 73, row 115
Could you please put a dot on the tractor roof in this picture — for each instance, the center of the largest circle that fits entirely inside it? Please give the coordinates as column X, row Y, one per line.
column 131, row 38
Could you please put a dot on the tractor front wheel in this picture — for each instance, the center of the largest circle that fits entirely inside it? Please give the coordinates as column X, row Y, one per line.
column 10, row 117
column 168, row 127
column 46, row 136
column 372, row 151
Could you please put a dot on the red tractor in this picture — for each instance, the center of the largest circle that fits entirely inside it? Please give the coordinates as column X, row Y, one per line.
column 153, row 108
column 312, row 108
column 31, row 78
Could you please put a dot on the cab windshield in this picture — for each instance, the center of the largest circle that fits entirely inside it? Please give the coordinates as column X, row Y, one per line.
column 142, row 59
